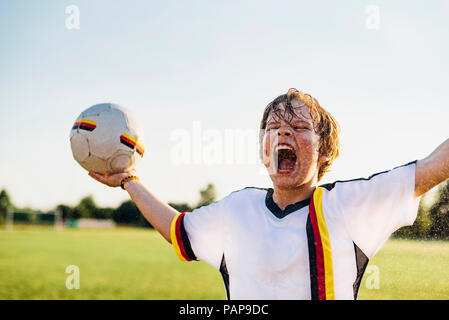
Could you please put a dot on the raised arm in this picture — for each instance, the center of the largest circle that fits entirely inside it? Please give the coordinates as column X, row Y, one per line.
column 158, row 213
column 432, row 170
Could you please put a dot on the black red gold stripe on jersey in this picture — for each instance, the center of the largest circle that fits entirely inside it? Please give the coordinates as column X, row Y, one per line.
column 84, row 124
column 179, row 239
column 132, row 143
column 320, row 251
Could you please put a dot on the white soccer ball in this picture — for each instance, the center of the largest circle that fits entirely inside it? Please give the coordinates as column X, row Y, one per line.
column 107, row 138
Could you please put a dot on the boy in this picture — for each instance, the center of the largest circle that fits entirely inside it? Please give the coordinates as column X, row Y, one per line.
column 296, row 240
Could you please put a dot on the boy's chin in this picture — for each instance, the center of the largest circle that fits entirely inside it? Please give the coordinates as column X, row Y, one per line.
column 284, row 181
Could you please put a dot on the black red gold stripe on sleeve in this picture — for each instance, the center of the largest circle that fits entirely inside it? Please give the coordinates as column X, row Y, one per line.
column 84, row 124
column 320, row 251
column 180, row 240
column 132, row 143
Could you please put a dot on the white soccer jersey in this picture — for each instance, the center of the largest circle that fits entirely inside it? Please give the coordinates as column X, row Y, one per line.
column 314, row 249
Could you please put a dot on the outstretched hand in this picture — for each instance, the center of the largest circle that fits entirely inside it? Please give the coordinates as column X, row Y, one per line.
column 112, row 180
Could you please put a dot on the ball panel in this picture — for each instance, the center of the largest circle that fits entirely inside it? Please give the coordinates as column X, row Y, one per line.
column 121, row 161
column 74, row 128
column 134, row 129
column 105, row 139
column 93, row 163
column 80, row 146
column 96, row 110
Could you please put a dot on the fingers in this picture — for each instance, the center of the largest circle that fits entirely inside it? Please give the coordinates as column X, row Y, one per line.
column 94, row 175
column 111, row 180
column 131, row 170
column 100, row 178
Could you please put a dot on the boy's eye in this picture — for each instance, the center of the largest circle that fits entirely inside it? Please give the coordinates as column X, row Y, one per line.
column 275, row 126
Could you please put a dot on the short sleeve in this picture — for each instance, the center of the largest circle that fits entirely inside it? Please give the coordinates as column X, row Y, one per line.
column 200, row 234
column 373, row 208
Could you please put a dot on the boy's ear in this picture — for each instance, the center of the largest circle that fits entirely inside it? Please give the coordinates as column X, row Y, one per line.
column 323, row 158
column 265, row 159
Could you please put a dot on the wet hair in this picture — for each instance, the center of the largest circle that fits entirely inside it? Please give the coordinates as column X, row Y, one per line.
column 323, row 122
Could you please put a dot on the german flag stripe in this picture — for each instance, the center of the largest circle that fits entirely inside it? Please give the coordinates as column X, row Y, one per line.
column 132, row 143
column 326, row 243
column 130, row 138
column 174, row 239
column 140, row 149
column 312, row 261
column 85, row 124
column 179, row 239
column 185, row 240
column 88, row 128
column 127, row 141
column 320, row 251
column 320, row 274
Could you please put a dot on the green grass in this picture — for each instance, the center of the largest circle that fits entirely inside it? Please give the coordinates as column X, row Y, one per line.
column 410, row 270
column 126, row 263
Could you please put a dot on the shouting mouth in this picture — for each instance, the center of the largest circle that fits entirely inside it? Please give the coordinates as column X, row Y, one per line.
column 285, row 158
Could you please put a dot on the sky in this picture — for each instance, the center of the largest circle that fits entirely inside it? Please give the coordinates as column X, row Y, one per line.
column 198, row 74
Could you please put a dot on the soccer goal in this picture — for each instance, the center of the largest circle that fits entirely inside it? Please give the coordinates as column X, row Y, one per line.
column 52, row 217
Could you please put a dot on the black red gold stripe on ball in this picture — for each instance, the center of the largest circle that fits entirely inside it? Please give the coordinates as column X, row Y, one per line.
column 85, row 124
column 132, row 143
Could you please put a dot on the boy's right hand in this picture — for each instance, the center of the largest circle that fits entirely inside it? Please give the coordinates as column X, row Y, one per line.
column 112, row 180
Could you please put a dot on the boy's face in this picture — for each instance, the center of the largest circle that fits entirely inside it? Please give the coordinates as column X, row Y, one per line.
column 291, row 147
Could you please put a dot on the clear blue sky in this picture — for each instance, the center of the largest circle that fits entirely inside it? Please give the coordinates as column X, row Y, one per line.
column 174, row 63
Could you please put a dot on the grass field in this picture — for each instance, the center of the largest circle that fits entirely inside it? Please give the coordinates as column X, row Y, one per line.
column 126, row 263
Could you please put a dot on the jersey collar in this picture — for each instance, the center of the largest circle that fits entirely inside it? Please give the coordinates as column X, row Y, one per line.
column 278, row 212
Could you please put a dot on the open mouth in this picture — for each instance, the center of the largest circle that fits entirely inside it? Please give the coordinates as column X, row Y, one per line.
column 285, row 158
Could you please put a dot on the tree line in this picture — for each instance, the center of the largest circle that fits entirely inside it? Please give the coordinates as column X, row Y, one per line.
column 431, row 222
column 126, row 213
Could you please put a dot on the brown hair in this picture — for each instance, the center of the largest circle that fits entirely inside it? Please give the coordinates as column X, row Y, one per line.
column 323, row 123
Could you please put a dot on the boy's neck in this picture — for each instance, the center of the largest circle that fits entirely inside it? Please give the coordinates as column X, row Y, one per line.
column 286, row 196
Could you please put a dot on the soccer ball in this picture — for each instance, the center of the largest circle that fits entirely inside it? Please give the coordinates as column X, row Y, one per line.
column 106, row 138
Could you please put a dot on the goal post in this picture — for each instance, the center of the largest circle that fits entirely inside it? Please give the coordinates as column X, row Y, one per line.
column 58, row 222
column 9, row 222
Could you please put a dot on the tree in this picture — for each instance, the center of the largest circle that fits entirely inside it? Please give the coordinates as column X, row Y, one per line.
column 439, row 213
column 5, row 202
column 128, row 213
column 181, row 207
column 86, row 208
column 420, row 228
column 67, row 212
column 207, row 195
column 104, row 213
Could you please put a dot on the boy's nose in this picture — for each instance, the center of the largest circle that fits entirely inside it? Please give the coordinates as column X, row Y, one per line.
column 284, row 131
